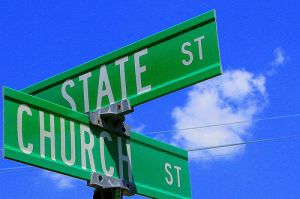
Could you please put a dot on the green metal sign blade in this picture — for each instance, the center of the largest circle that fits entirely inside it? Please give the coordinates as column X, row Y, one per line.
column 46, row 135
column 175, row 58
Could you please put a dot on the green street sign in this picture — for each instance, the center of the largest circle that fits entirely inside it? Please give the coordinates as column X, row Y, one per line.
column 50, row 136
column 175, row 58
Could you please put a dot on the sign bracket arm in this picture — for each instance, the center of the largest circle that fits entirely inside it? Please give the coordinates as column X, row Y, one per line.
column 111, row 118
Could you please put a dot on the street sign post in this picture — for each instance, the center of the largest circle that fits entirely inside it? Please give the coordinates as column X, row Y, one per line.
column 46, row 135
column 180, row 56
column 42, row 131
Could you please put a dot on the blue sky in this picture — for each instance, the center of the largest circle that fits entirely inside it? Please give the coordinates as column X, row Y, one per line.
column 259, row 48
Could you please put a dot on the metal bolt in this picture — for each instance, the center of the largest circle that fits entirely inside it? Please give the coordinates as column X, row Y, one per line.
column 119, row 106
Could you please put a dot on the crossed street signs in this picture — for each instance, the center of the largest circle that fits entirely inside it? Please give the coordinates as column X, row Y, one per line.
column 40, row 128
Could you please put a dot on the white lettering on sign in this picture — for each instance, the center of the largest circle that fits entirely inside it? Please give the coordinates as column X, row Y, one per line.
column 49, row 127
column 21, row 110
column 66, row 95
column 138, row 70
column 104, row 83
column 84, row 78
column 199, row 41
column 71, row 161
column 178, row 169
column 86, row 147
column 47, row 134
column 124, row 158
column 189, row 53
column 111, row 170
column 121, row 63
column 169, row 178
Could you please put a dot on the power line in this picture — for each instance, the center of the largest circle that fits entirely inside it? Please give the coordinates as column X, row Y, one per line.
column 225, row 124
column 210, row 157
column 4, row 170
column 247, row 142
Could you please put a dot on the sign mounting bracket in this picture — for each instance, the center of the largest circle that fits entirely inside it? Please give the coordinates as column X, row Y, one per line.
column 109, row 187
column 112, row 117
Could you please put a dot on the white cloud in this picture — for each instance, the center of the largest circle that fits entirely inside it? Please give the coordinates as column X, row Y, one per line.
column 237, row 95
column 139, row 128
column 60, row 181
column 134, row 125
column 280, row 58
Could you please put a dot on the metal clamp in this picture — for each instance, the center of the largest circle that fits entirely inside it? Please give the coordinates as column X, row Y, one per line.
column 112, row 117
column 104, row 182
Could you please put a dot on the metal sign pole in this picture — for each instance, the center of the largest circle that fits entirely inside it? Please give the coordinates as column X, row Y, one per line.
column 114, row 193
column 112, row 119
